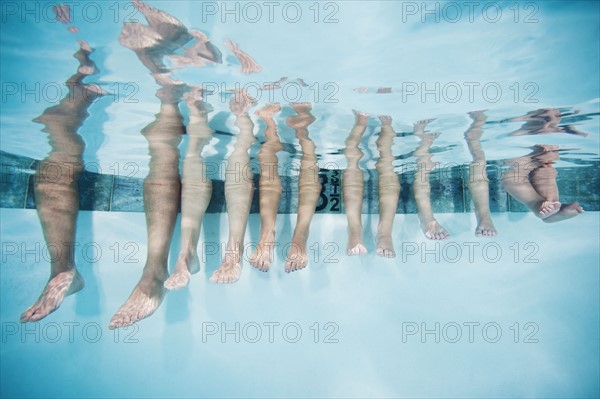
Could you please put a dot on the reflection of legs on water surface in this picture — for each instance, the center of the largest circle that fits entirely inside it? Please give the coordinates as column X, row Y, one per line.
column 56, row 187
column 353, row 185
column 422, row 187
column 269, row 189
column 478, row 179
column 389, row 188
column 196, row 191
column 238, row 192
column 309, row 187
column 161, row 199
column 531, row 180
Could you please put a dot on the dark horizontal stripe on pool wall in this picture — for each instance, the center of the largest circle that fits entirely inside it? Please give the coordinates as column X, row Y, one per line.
column 449, row 191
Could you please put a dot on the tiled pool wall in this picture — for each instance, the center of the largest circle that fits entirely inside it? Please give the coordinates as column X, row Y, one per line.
column 449, row 191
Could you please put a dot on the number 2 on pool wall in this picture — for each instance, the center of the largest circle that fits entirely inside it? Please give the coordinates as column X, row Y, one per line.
column 330, row 192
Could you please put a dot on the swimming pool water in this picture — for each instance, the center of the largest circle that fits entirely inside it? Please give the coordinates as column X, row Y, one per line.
column 372, row 305
column 515, row 315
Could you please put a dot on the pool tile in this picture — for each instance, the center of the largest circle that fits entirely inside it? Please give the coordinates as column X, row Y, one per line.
column 95, row 191
column 127, row 195
column 449, row 190
column 217, row 200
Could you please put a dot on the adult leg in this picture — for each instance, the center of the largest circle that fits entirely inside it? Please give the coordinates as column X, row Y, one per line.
column 353, row 186
column 238, row 192
column 309, row 187
column 389, row 188
column 478, row 180
column 269, row 189
column 196, row 192
column 422, row 188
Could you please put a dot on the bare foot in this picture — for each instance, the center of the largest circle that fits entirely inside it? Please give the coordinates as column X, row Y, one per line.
column 355, row 245
column 361, row 118
column 434, row 231
column 549, row 208
column 485, row 228
column 567, row 211
column 194, row 97
column 428, row 137
column 145, row 298
column 167, row 26
column 186, row 265
column 163, row 30
column 229, row 271
column 59, row 286
column 263, row 254
column 478, row 115
column 304, row 117
column 248, row 63
column 357, row 249
column 201, row 53
column 385, row 246
column 419, row 126
column 296, row 258
column 268, row 111
column 241, row 102
column 385, row 120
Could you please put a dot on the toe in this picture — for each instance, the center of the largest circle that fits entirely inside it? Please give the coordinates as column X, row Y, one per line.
column 115, row 322
column 26, row 316
column 38, row 315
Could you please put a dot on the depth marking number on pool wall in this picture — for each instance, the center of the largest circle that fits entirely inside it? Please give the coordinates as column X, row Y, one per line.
column 330, row 199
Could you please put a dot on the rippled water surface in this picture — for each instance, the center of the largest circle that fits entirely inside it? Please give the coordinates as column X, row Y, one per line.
column 310, row 126
column 379, row 58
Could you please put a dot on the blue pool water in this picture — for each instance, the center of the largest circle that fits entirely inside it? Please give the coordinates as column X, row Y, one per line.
column 372, row 303
column 516, row 315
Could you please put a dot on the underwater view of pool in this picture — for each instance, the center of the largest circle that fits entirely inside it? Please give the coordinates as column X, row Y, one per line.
column 300, row 199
